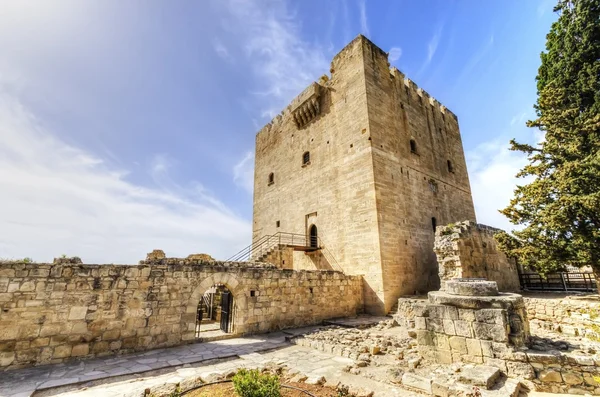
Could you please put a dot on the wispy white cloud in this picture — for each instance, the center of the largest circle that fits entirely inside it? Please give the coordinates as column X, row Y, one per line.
column 474, row 61
column 58, row 199
column 518, row 119
column 346, row 22
column 364, row 23
column 243, row 172
column 394, row 54
column 221, row 50
column 492, row 173
column 280, row 59
column 492, row 170
column 432, row 46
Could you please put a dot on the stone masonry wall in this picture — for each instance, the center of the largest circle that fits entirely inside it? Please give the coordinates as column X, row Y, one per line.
column 416, row 190
column 52, row 312
column 447, row 334
column 334, row 191
column 374, row 201
column 468, row 250
column 571, row 315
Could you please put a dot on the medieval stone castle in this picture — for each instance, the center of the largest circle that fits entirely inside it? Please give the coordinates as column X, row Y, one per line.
column 362, row 201
column 365, row 165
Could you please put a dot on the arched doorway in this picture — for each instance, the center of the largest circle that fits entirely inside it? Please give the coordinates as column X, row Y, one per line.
column 313, row 237
column 214, row 315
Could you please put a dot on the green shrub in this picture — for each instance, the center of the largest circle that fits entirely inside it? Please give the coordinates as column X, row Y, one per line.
column 251, row 383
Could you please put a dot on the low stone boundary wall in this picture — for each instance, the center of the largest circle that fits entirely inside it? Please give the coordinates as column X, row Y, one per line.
column 405, row 315
column 557, row 372
column 447, row 334
column 571, row 315
column 52, row 312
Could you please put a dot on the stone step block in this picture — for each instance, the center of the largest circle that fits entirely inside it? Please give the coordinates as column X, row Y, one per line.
column 480, row 375
column 414, row 381
column 506, row 388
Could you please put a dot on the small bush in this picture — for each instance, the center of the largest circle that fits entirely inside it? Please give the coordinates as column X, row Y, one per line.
column 251, row 383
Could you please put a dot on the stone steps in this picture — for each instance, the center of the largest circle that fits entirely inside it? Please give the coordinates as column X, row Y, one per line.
column 499, row 386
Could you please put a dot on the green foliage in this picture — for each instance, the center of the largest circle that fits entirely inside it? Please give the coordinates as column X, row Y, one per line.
column 27, row 260
column 560, row 208
column 448, row 229
column 176, row 392
column 63, row 256
column 251, row 383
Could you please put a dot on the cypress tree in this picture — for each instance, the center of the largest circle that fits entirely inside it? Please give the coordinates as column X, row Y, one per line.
column 559, row 208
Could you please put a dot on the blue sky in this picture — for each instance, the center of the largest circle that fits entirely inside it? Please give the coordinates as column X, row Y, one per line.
column 129, row 126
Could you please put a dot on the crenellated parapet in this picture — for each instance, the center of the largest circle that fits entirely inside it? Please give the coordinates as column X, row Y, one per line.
column 414, row 89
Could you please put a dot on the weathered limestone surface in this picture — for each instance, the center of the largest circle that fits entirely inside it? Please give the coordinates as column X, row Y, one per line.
column 51, row 312
column 570, row 315
column 452, row 330
column 494, row 330
column 468, row 250
column 470, row 287
column 374, row 201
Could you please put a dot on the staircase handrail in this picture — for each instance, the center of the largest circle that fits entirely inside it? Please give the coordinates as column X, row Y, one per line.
column 247, row 251
column 261, row 246
column 266, row 242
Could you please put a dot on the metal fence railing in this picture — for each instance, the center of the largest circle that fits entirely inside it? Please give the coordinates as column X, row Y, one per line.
column 563, row 281
column 259, row 249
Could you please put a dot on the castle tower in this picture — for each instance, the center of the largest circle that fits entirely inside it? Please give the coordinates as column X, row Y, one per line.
column 370, row 164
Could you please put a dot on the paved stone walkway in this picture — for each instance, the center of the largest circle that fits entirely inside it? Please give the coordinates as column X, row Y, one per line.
column 299, row 359
column 23, row 382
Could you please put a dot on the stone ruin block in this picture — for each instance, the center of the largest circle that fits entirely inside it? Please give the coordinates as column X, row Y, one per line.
column 470, row 322
column 155, row 255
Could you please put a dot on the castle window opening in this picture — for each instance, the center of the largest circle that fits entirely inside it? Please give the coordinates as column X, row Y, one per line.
column 252, row 293
column 433, row 223
column 313, row 237
column 277, row 223
column 450, row 166
column 271, row 178
column 413, row 146
column 306, row 158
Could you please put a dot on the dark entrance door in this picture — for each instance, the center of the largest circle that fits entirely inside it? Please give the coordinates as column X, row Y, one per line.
column 226, row 304
column 314, row 240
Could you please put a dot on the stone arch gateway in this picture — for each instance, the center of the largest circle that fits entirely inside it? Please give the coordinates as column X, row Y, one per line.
column 237, row 291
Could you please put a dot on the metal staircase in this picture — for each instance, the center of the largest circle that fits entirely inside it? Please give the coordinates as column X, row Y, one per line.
column 266, row 245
